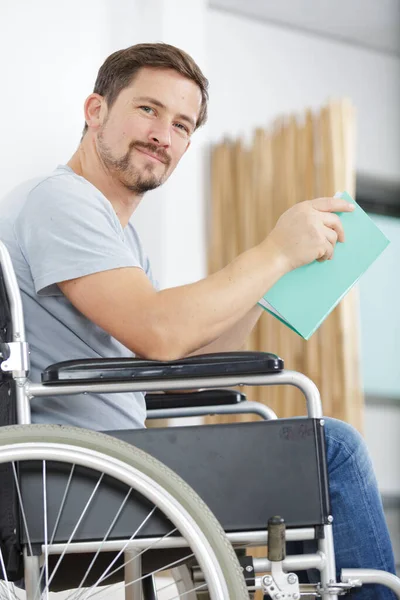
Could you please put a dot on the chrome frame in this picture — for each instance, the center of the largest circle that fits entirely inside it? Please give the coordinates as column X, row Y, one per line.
column 26, row 390
column 305, row 385
column 237, row 539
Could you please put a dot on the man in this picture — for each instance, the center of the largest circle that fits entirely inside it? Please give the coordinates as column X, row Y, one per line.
column 88, row 289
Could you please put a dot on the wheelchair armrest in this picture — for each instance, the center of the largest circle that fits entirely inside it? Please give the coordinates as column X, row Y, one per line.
column 136, row 369
column 193, row 399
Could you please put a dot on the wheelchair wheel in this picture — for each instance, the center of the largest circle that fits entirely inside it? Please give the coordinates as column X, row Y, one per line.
column 98, row 515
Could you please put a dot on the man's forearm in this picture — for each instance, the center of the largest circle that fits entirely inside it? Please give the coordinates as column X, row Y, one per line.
column 197, row 315
column 235, row 338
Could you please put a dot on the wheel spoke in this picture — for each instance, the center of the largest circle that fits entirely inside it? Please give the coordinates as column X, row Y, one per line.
column 102, row 543
column 21, row 504
column 3, row 567
column 64, row 499
column 75, row 528
column 163, row 568
column 105, row 574
column 193, row 589
column 183, row 580
column 137, row 556
column 54, row 530
column 7, row 589
column 46, row 548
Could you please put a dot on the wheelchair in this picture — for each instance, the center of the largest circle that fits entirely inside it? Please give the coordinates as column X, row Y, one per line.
column 165, row 512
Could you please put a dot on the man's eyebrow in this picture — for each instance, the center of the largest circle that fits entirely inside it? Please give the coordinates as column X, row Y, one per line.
column 182, row 117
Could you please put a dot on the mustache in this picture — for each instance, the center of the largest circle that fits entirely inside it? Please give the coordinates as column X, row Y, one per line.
column 153, row 149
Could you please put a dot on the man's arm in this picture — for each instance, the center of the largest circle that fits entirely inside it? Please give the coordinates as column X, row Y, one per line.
column 176, row 322
column 235, row 338
column 173, row 323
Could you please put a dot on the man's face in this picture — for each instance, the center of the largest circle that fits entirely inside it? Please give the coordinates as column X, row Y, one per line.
column 148, row 128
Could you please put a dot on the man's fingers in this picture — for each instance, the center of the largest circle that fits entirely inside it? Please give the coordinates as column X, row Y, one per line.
column 328, row 254
column 332, row 205
column 331, row 235
column 333, row 221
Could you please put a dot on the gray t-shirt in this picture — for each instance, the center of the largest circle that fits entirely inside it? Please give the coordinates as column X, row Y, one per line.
column 57, row 228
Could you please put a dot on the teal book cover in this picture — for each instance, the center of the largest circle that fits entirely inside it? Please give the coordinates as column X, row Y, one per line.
column 303, row 298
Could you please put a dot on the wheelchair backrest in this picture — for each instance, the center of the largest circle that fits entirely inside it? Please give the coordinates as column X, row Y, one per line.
column 5, row 314
column 7, row 384
column 9, row 536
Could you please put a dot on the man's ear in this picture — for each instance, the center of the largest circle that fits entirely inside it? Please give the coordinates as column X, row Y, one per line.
column 95, row 111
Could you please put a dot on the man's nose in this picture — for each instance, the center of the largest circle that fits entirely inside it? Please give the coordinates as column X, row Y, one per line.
column 160, row 134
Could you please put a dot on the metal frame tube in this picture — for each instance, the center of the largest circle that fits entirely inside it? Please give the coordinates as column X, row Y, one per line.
column 133, row 575
column 13, row 294
column 328, row 572
column 23, row 404
column 293, row 562
column 31, row 575
column 303, row 383
column 241, row 538
column 372, row 576
column 245, row 407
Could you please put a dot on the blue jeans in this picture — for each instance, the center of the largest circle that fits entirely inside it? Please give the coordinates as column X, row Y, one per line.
column 359, row 528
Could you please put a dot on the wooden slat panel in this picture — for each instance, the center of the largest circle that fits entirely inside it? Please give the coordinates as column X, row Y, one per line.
column 251, row 187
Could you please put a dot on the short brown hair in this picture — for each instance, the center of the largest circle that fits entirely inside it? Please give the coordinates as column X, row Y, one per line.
column 119, row 69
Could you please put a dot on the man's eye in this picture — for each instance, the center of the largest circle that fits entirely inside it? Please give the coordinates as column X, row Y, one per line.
column 146, row 109
column 182, row 127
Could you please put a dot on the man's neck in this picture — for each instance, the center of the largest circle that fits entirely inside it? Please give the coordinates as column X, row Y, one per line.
column 86, row 163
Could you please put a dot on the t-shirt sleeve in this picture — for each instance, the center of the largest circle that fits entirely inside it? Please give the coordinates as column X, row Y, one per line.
column 68, row 229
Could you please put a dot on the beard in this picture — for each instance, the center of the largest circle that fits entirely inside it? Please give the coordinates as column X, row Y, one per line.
column 135, row 179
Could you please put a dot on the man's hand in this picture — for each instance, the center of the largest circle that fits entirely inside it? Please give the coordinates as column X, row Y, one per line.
column 308, row 231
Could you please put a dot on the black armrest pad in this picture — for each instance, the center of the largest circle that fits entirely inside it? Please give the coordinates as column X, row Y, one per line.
column 189, row 399
column 128, row 369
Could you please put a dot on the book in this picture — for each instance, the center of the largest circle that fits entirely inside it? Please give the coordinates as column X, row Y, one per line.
column 304, row 297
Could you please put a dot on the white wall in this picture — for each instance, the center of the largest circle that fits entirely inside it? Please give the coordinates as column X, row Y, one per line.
column 380, row 317
column 259, row 71
column 382, row 430
column 49, row 60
